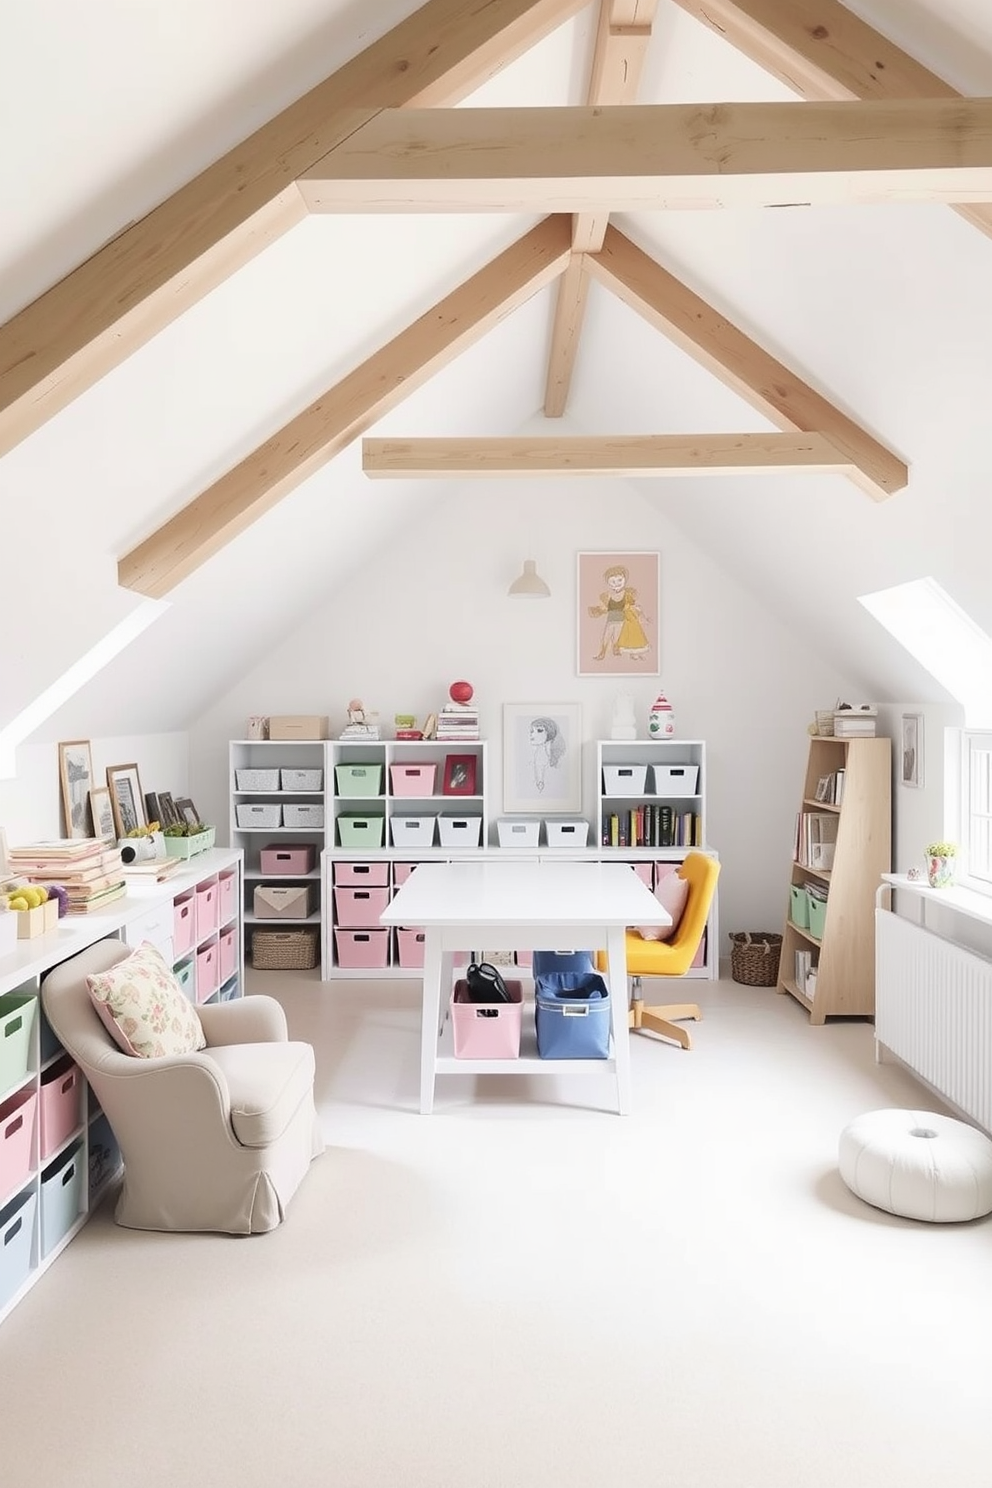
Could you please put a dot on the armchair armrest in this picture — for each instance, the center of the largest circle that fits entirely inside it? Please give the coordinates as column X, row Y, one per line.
column 258, row 1019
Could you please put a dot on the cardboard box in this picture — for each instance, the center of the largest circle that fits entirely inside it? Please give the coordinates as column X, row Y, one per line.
column 37, row 921
column 298, row 726
column 282, row 902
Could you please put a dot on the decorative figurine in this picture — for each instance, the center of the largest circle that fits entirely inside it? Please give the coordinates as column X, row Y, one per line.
column 661, row 719
column 359, row 722
column 624, row 724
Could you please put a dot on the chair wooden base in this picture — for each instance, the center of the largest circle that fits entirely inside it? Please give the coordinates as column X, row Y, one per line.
column 659, row 1020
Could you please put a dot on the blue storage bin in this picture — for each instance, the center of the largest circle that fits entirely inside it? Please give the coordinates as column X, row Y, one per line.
column 16, row 1244
column 572, row 1011
column 552, row 963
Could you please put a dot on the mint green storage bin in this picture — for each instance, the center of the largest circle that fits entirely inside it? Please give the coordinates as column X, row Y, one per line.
column 799, row 910
column 817, row 916
column 17, row 1015
column 360, row 831
column 359, row 780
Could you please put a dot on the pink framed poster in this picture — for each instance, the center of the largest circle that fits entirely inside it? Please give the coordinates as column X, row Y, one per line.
column 617, row 614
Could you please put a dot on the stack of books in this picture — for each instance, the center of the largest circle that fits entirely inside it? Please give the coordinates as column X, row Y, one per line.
column 87, row 868
column 457, row 724
column 856, row 722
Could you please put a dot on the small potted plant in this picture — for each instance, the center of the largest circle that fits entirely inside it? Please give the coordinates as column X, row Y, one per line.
column 941, row 862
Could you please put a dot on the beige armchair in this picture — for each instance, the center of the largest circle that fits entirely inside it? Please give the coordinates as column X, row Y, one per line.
column 216, row 1140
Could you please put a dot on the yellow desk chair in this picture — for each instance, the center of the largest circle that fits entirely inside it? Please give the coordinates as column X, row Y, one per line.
column 671, row 958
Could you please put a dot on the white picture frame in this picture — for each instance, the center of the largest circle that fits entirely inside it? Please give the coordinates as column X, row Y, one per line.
column 912, row 750
column 542, row 758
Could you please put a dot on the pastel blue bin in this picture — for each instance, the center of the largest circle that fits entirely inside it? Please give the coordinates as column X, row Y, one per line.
column 16, row 1244
column 572, row 1012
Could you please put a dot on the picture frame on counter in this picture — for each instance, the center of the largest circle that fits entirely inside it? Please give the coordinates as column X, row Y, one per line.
column 76, row 780
column 102, row 811
column 126, row 798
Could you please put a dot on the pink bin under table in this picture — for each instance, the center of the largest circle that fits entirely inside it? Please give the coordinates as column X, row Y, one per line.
column 410, row 947
column 227, row 954
column 412, row 780
column 357, row 948
column 401, row 872
column 227, row 892
column 295, row 858
column 17, row 1118
column 183, row 934
column 206, row 899
column 61, row 1104
column 488, row 1030
column 362, row 875
column 359, row 906
column 207, row 974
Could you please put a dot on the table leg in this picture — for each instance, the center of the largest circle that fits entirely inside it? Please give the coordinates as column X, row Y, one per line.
column 430, row 1019
column 616, row 975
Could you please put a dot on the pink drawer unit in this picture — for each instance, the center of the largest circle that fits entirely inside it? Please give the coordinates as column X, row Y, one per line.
column 294, row 858
column 366, row 875
column 183, row 934
column 368, row 948
column 359, row 906
column 401, row 872
column 17, row 1118
column 412, row 780
column 645, row 872
column 410, row 947
column 227, row 954
column 227, row 897
column 207, row 975
column 207, row 901
column 61, row 1104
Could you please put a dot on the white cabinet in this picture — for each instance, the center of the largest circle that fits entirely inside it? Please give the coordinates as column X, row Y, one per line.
column 408, row 795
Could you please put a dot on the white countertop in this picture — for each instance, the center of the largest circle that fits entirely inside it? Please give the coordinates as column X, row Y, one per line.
column 524, row 893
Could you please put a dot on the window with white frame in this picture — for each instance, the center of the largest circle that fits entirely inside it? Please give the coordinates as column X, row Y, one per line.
column 976, row 810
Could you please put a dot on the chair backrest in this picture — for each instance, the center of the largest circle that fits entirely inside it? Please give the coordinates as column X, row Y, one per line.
column 674, row 957
column 75, row 1022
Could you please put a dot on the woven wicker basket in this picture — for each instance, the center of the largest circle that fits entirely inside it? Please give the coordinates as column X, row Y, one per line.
column 755, row 957
column 284, row 950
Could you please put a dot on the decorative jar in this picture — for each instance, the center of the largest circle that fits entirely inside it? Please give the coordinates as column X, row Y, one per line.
column 941, row 864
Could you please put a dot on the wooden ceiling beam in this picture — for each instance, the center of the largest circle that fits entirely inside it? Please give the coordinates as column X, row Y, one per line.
column 345, row 411
column 823, row 51
column 604, row 455
column 618, row 56
column 743, row 366
column 156, row 268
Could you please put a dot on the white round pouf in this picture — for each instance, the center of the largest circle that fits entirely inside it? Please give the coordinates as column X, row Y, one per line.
column 918, row 1164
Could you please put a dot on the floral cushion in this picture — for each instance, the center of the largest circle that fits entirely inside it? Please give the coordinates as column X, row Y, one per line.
column 144, row 1008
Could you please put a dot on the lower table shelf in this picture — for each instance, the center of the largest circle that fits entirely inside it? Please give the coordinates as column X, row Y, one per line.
column 528, row 1061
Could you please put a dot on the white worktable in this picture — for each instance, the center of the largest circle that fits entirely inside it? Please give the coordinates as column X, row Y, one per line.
column 521, row 905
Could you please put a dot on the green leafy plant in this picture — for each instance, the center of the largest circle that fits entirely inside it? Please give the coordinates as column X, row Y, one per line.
column 185, row 829
column 942, row 850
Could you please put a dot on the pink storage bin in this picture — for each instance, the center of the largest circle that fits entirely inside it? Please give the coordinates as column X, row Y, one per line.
column 362, row 947
column 294, row 858
column 412, row 780
column 207, row 975
column 487, row 1030
column 206, row 899
column 524, row 958
column 61, row 1104
column 17, row 1118
column 698, row 961
column 227, row 887
column 227, row 954
column 401, row 872
column 645, row 872
column 182, row 935
column 359, row 906
column 410, row 947
column 364, row 875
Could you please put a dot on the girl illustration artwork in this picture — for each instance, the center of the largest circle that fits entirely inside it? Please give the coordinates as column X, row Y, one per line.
column 623, row 631
column 547, row 749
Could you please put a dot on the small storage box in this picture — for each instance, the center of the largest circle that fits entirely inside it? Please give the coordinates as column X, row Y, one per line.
column 17, row 1015
column 410, row 947
column 799, row 906
column 486, row 1030
column 60, row 1104
column 302, row 816
column 184, row 921
column 257, row 815
column 104, row 1155
column 284, row 950
column 257, row 780
column 369, row 948
column 61, row 1196
column 302, row 780
column 817, row 910
column 17, row 1117
column 362, row 875
column 567, row 833
column 572, row 1012
column 37, row 921
column 460, row 831
column 298, row 726
column 227, row 897
column 206, row 977
column 183, row 974
column 359, row 906
column 359, row 780
column 360, row 831
column 412, row 780
column 645, row 872
column 294, row 859
column 675, row 780
column 401, row 872
column 412, row 831
column 518, row 833
column 205, row 914
column 624, row 780
column 283, row 902
column 16, row 1242
column 227, row 943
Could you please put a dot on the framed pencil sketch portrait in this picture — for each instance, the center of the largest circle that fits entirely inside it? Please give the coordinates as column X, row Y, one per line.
column 126, row 799
column 617, row 615
column 542, row 758
column 912, row 749
column 76, row 778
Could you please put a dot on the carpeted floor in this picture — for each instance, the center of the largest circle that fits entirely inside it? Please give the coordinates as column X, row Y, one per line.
column 525, row 1289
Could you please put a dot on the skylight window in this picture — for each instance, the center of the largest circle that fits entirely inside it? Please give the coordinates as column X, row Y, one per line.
column 936, row 631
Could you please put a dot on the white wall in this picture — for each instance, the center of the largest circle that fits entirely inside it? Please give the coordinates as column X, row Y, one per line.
column 435, row 608
column 922, row 814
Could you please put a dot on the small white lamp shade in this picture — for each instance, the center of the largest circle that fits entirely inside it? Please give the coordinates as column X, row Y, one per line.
column 530, row 582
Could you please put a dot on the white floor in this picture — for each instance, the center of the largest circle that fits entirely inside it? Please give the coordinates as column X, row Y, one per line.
column 527, row 1289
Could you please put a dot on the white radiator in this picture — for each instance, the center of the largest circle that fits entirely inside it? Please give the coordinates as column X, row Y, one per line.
column 933, row 1009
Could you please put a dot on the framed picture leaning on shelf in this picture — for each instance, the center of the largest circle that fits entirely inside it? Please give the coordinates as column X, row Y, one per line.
column 542, row 757
column 617, row 614
column 102, row 813
column 459, row 775
column 76, row 779
column 912, row 749
column 126, row 798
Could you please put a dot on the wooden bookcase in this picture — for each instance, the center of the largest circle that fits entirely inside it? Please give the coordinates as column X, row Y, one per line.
column 844, row 951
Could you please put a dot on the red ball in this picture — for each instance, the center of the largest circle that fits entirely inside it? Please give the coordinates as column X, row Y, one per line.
column 460, row 692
